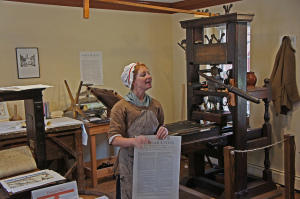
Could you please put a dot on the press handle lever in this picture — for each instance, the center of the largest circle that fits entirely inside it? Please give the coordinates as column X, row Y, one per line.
column 233, row 89
column 243, row 94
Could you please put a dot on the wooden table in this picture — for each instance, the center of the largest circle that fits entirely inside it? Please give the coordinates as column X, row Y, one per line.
column 91, row 167
column 62, row 141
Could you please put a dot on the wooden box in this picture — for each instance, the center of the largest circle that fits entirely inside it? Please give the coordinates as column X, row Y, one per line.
column 103, row 172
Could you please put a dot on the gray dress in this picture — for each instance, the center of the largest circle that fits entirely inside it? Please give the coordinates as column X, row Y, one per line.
column 145, row 124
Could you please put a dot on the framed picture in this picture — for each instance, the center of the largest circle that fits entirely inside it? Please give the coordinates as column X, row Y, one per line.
column 28, row 63
column 4, row 115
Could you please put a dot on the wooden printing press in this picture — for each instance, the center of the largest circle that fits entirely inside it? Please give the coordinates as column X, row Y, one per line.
column 207, row 140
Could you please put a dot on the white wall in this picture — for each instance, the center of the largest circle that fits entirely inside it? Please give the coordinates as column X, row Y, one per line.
column 273, row 19
column 60, row 33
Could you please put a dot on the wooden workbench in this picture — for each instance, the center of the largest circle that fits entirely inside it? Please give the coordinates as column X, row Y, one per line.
column 63, row 140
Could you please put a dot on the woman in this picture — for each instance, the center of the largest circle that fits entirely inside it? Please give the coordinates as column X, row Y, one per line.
column 132, row 117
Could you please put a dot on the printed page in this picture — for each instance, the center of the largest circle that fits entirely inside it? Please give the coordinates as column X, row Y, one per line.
column 91, row 68
column 30, row 180
column 156, row 169
column 62, row 191
column 21, row 88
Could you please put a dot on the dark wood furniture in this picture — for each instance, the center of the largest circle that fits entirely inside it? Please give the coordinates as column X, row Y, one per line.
column 289, row 165
column 61, row 144
column 66, row 143
column 33, row 100
column 208, row 140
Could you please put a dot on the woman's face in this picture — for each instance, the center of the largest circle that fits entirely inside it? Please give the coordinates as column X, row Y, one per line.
column 143, row 79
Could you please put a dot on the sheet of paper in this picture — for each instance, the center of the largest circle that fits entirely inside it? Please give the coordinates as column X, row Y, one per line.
column 16, row 126
column 30, row 180
column 12, row 126
column 91, row 68
column 62, row 191
column 102, row 197
column 4, row 115
column 21, row 88
column 156, row 169
column 84, row 135
column 16, row 160
column 62, row 121
column 66, row 121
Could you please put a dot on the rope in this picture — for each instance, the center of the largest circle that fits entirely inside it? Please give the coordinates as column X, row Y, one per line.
column 251, row 150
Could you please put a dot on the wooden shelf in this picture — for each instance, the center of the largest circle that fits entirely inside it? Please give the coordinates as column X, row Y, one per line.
column 220, row 117
column 103, row 172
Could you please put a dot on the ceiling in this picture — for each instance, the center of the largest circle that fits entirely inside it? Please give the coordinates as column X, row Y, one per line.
column 176, row 4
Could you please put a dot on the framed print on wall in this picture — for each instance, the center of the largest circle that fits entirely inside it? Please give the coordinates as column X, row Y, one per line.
column 28, row 63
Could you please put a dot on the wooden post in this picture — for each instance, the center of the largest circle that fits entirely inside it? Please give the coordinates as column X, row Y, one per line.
column 79, row 160
column 183, row 102
column 86, row 11
column 289, row 166
column 229, row 172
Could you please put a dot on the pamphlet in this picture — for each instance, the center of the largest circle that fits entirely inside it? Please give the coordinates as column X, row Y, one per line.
column 62, row 191
column 27, row 181
column 156, row 169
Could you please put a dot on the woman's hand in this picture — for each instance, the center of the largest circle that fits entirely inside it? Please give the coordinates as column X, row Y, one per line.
column 162, row 133
column 140, row 141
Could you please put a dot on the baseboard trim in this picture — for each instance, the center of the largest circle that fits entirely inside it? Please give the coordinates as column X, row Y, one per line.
column 278, row 176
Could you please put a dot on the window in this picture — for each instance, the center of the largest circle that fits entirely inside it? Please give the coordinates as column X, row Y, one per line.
column 226, row 67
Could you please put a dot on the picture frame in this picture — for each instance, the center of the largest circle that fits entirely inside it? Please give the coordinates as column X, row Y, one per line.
column 4, row 115
column 28, row 63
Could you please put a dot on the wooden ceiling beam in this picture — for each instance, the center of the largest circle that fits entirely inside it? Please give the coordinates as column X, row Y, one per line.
column 155, row 7
column 71, row 3
column 100, row 5
column 196, row 4
column 113, row 6
column 86, row 9
column 185, row 5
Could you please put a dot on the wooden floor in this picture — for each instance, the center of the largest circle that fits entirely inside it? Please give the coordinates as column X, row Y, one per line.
column 108, row 186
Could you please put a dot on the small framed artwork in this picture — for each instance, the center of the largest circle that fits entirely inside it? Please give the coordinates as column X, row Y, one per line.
column 4, row 115
column 28, row 63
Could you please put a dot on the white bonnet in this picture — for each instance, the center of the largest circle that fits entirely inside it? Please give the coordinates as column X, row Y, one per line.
column 127, row 75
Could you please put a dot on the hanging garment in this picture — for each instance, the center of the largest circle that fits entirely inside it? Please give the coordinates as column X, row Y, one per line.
column 283, row 79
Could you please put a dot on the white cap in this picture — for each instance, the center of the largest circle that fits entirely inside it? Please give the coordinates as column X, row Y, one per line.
column 127, row 75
